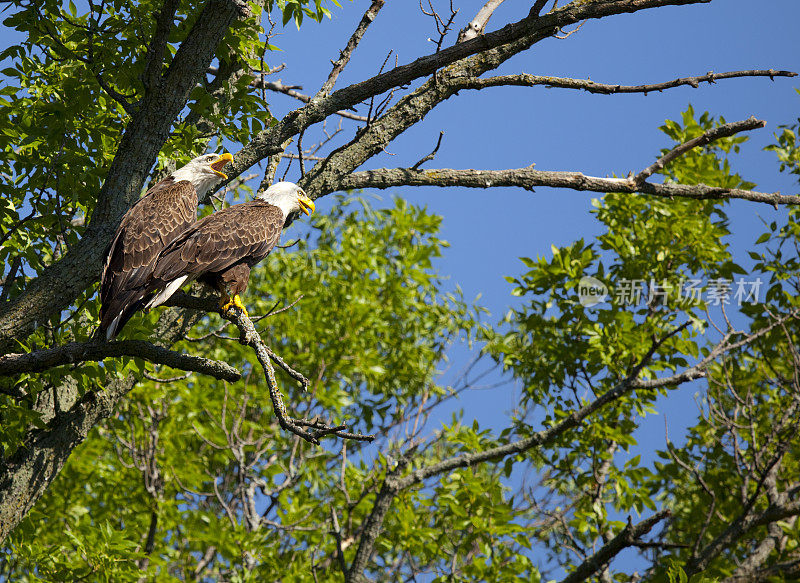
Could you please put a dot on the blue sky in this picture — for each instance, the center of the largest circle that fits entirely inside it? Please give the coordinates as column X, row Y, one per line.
column 562, row 129
column 565, row 130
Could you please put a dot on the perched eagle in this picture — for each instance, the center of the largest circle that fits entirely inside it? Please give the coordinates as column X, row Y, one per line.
column 221, row 248
column 162, row 214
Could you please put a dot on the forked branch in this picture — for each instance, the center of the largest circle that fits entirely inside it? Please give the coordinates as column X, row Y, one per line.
column 310, row 430
column 478, row 24
column 627, row 538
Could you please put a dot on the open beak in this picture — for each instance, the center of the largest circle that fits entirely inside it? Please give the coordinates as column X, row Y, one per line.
column 306, row 204
column 218, row 164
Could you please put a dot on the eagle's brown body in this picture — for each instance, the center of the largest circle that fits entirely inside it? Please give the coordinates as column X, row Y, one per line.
column 162, row 214
column 151, row 224
column 219, row 250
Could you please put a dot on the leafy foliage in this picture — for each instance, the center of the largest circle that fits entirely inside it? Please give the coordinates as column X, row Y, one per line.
column 192, row 479
column 565, row 354
column 229, row 496
column 59, row 128
column 378, row 330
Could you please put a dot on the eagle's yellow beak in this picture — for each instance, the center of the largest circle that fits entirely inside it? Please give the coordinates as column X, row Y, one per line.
column 218, row 164
column 306, row 204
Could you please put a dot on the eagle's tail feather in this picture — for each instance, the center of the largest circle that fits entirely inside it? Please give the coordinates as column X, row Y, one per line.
column 167, row 292
column 118, row 313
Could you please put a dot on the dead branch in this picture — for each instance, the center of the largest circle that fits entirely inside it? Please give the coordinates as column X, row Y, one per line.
column 430, row 156
column 528, row 80
column 317, row 429
column 291, row 91
column 442, row 27
column 516, row 36
column 528, row 178
column 478, row 24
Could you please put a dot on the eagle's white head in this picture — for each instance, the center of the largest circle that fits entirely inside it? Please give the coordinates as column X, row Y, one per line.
column 288, row 197
column 204, row 172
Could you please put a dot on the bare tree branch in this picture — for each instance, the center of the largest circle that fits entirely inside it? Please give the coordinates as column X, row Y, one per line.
column 627, row 538
column 478, row 24
column 528, row 178
column 74, row 352
column 430, row 156
column 250, row 337
column 327, row 176
column 528, row 80
column 527, row 31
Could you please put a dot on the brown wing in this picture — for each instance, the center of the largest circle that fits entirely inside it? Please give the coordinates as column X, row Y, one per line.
column 150, row 225
column 245, row 232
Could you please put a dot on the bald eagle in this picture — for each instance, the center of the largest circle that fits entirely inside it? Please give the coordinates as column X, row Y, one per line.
column 162, row 214
column 220, row 249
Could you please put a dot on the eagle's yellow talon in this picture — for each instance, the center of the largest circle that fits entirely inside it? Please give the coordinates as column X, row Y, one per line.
column 227, row 303
column 237, row 301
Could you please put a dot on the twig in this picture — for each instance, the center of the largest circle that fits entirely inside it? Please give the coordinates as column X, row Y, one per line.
column 568, row 33
column 430, row 156
column 337, row 532
column 300, row 154
column 273, row 311
column 372, row 97
column 272, row 167
column 707, row 137
column 294, row 156
column 289, row 370
column 442, row 27
column 156, row 379
column 291, row 91
column 120, row 98
column 288, row 245
column 347, row 52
